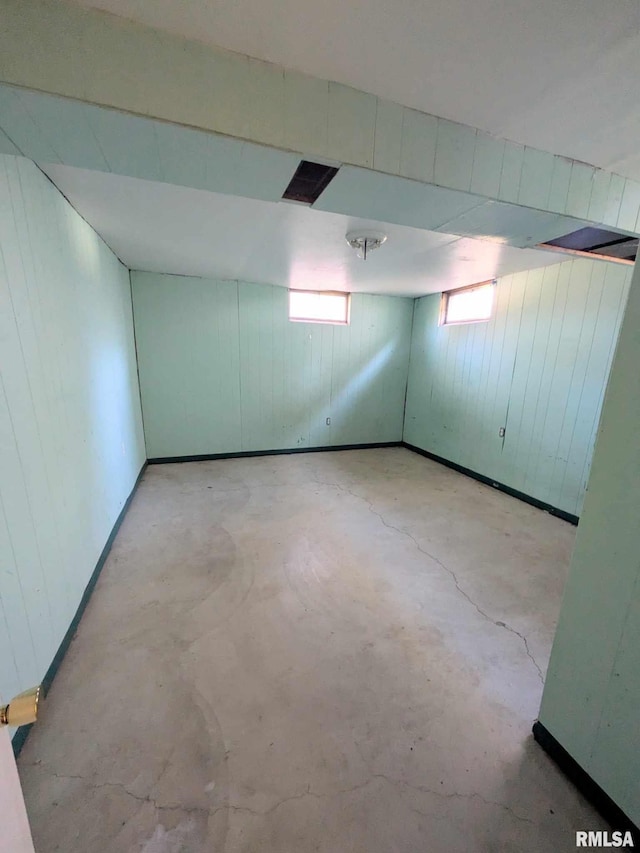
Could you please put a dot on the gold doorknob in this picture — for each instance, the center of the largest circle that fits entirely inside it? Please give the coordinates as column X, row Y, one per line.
column 22, row 709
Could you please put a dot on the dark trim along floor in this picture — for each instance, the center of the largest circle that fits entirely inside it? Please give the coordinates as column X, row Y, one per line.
column 514, row 493
column 22, row 732
column 590, row 789
column 489, row 481
column 203, row 457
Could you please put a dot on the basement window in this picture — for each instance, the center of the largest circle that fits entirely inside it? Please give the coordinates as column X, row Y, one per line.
column 472, row 304
column 319, row 306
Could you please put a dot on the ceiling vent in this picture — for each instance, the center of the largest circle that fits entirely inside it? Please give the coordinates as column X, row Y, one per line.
column 309, row 181
column 609, row 245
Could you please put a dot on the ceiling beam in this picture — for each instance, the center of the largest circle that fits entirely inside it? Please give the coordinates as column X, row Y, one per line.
column 97, row 58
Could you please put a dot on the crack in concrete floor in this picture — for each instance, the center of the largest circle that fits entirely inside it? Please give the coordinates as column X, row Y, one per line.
column 404, row 532
column 420, row 789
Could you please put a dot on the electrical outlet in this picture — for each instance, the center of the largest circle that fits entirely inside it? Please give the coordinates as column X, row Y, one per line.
column 328, row 421
column 501, row 432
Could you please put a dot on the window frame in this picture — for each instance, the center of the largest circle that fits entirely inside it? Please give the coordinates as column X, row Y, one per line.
column 345, row 294
column 447, row 294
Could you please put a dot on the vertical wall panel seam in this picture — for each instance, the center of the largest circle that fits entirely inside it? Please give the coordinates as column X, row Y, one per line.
column 546, row 350
column 135, row 346
column 15, row 561
column 237, row 285
column 19, row 680
column 406, row 387
column 584, row 378
column 573, row 368
column 531, row 359
column 408, row 367
column 555, row 362
column 515, row 361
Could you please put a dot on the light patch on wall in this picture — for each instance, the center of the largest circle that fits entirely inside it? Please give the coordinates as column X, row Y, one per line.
column 358, row 384
column 82, row 242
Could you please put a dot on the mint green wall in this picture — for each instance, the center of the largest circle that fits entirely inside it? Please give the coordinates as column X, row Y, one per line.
column 71, row 441
column 222, row 369
column 539, row 367
column 591, row 698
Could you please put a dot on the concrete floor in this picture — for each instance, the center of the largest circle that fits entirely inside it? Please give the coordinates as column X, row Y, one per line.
column 338, row 652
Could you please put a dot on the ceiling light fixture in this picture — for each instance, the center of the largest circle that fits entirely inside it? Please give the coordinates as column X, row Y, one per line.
column 365, row 241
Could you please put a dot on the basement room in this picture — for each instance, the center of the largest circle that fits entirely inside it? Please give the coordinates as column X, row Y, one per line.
column 320, row 427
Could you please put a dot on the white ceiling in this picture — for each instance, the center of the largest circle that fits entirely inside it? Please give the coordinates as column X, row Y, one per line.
column 159, row 227
column 560, row 76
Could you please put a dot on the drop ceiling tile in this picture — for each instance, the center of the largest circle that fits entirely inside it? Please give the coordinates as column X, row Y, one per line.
column 418, row 151
column 580, row 186
column 184, row 155
column 155, row 150
column 264, row 172
column 129, row 143
column 487, row 165
column 454, row 154
column 560, row 184
column 535, row 178
column 387, row 148
column 599, row 195
column 306, row 110
column 351, row 129
column 22, row 128
column 7, row 146
column 629, row 205
column 64, row 124
column 511, row 171
column 387, row 198
column 614, row 199
column 510, row 224
column 50, row 129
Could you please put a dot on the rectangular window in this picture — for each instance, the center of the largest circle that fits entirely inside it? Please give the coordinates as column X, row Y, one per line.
column 467, row 304
column 319, row 306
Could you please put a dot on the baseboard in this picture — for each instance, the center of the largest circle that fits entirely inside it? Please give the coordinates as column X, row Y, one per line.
column 589, row 788
column 22, row 732
column 488, row 481
column 204, row 457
